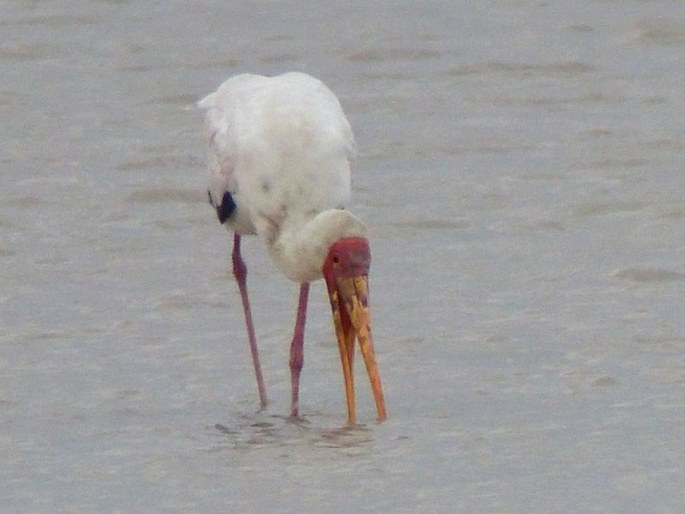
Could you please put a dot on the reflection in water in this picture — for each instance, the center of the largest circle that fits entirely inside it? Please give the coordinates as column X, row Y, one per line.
column 269, row 431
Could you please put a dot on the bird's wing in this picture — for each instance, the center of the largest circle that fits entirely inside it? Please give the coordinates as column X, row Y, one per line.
column 277, row 144
column 222, row 110
column 221, row 146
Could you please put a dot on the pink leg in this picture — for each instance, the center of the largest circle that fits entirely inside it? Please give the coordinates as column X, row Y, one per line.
column 296, row 348
column 240, row 273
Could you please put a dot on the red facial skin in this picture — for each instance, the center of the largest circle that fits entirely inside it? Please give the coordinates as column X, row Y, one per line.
column 346, row 258
column 346, row 270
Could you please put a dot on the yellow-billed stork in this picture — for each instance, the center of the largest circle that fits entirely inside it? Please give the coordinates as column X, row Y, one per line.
column 280, row 150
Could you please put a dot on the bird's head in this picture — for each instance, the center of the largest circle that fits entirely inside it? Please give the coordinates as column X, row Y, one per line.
column 346, row 270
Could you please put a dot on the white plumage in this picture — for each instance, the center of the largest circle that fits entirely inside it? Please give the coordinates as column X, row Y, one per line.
column 283, row 147
column 280, row 150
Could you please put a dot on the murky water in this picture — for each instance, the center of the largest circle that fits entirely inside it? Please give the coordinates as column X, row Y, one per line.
column 522, row 168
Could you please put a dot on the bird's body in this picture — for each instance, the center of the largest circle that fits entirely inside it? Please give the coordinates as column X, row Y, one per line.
column 282, row 147
column 280, row 155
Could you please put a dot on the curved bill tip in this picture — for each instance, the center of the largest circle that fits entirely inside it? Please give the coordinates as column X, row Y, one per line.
column 352, row 321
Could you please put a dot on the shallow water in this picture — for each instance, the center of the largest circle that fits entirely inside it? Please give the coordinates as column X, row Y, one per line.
column 521, row 168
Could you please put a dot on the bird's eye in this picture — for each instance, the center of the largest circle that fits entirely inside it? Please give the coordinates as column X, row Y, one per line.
column 336, row 259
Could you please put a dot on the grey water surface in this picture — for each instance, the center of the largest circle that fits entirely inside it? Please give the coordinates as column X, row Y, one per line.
column 522, row 166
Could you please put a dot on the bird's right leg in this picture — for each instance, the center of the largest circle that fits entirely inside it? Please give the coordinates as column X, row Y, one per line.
column 240, row 274
column 297, row 349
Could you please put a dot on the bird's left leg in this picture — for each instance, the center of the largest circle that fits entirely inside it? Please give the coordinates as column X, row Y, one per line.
column 240, row 273
column 297, row 347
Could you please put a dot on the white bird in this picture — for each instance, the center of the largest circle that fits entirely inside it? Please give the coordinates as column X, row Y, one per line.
column 280, row 150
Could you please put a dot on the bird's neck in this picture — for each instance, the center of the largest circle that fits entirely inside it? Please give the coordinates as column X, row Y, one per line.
column 300, row 252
